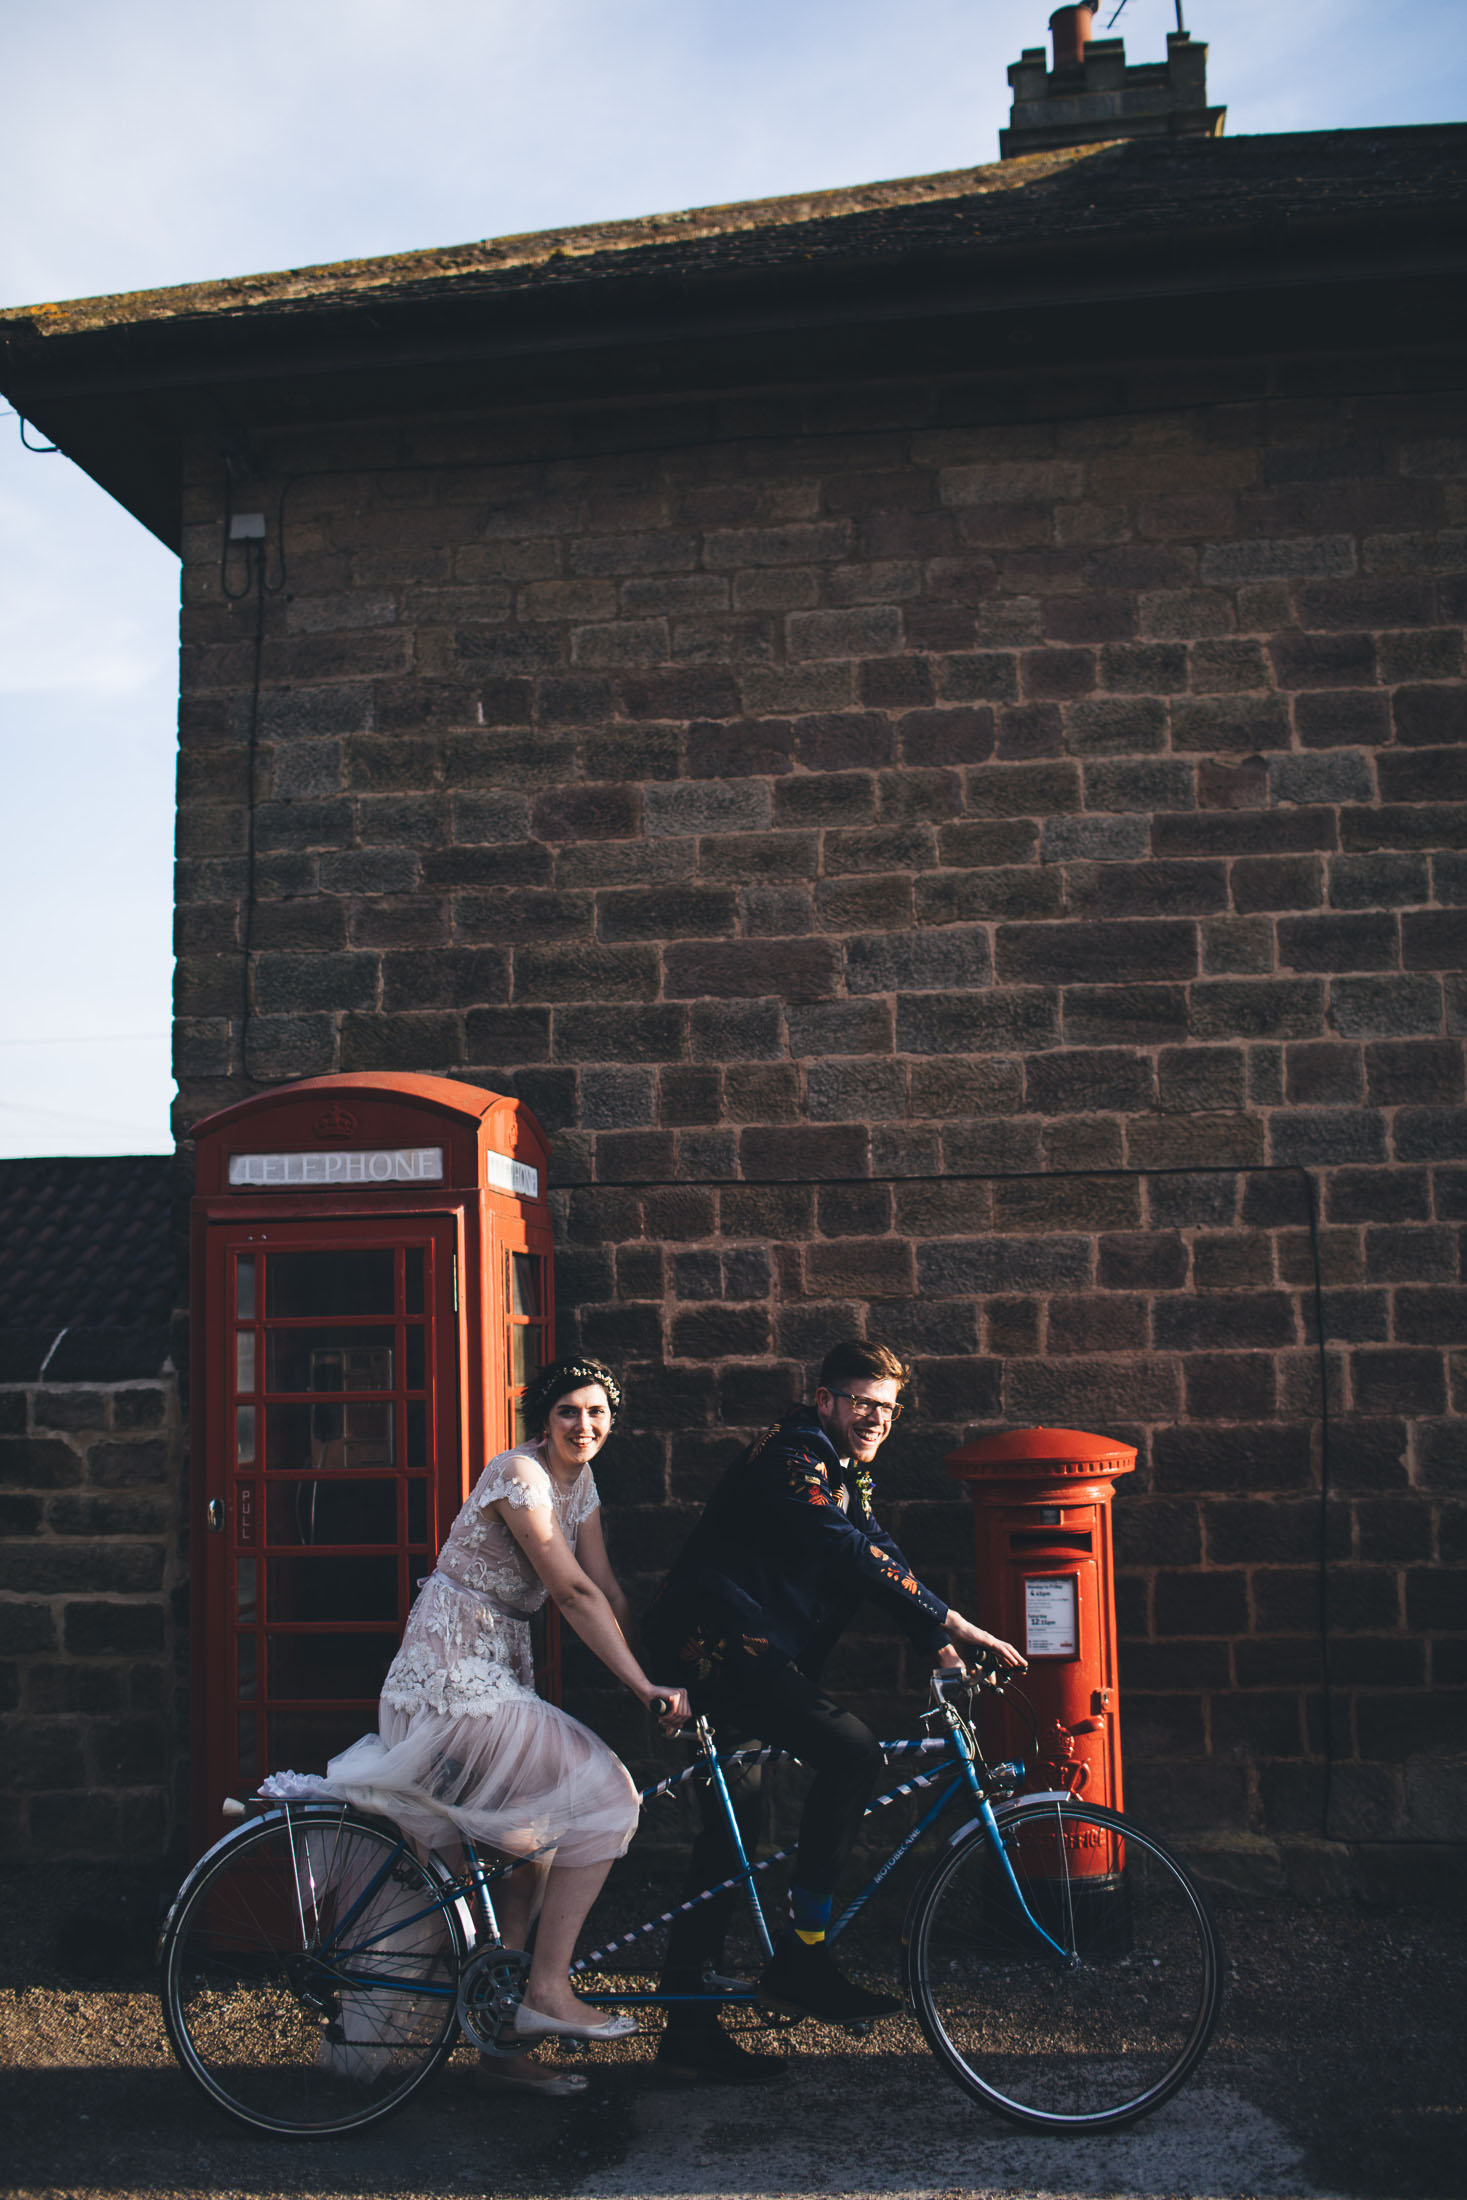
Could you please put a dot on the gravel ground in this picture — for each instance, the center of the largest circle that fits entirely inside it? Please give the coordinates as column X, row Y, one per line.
column 1337, row 2070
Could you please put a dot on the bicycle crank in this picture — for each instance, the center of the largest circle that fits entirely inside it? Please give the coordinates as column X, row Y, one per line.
column 491, row 1986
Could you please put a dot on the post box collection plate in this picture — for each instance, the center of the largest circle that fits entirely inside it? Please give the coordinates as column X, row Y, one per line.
column 1051, row 1618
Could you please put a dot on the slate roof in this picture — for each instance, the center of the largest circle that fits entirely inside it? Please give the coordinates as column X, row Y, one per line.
column 1164, row 248
column 1128, row 189
column 87, row 1282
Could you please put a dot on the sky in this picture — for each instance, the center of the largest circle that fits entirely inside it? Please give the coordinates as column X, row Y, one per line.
column 162, row 142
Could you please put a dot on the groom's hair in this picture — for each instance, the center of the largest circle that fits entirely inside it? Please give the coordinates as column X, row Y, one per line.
column 853, row 1361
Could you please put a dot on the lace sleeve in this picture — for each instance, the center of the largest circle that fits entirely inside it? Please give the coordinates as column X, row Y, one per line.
column 516, row 1477
column 585, row 1499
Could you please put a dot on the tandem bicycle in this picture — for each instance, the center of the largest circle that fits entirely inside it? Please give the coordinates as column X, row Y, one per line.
column 1061, row 1962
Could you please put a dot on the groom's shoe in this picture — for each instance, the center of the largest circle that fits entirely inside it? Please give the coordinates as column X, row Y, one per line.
column 801, row 1978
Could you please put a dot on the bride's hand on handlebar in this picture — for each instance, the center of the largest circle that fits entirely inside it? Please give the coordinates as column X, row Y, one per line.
column 669, row 1706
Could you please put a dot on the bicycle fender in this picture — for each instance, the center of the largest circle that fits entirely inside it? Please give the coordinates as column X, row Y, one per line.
column 1001, row 1811
column 225, row 1841
column 431, row 1864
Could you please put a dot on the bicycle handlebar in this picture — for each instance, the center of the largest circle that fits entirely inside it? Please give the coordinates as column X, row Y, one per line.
column 985, row 1669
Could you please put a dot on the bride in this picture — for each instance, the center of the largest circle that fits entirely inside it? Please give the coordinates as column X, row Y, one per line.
column 466, row 1747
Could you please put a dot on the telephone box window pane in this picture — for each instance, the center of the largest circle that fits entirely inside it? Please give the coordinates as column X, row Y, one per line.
column 524, row 1285
column 288, row 1436
column 318, row 1668
column 244, row 1360
column 417, row 1434
column 330, row 1283
column 331, row 1439
column 314, row 1510
column 249, row 1759
column 521, row 1432
column 415, row 1354
column 417, row 1509
column 331, row 1589
column 413, row 1280
column 328, row 1359
column 244, row 1436
column 246, row 1688
column 524, row 1354
column 244, row 1287
column 315, row 1737
column 245, row 1593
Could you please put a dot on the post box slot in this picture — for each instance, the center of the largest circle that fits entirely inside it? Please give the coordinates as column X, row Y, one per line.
column 1036, row 1539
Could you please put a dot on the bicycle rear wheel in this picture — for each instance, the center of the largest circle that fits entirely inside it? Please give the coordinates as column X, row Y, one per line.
column 310, row 1969
column 1099, row 2038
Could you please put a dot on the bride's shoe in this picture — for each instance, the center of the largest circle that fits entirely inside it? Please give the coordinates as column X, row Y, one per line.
column 533, row 2024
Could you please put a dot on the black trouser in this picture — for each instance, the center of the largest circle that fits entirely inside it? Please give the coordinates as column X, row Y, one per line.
column 779, row 1705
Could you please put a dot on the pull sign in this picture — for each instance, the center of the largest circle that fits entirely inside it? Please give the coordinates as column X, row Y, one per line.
column 1051, row 1621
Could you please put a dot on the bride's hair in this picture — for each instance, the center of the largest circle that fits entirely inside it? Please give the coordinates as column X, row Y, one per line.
column 561, row 1377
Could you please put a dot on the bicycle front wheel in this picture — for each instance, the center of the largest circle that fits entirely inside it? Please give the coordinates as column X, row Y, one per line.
column 310, row 1973
column 1094, row 2036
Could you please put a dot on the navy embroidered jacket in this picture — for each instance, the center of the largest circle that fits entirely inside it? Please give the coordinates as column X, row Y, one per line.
column 775, row 1567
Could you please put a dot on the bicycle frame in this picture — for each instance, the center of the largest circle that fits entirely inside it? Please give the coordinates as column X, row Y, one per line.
column 970, row 1775
column 967, row 1775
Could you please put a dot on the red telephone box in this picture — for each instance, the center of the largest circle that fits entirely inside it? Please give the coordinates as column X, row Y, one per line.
column 372, row 1290
column 1046, row 1582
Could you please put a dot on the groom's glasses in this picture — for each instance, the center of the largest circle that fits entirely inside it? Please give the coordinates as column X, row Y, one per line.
column 870, row 1409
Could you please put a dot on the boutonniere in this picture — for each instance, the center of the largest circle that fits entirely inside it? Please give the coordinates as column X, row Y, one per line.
column 865, row 1490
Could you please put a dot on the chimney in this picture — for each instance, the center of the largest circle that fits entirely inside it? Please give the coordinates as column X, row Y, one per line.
column 1092, row 94
column 1070, row 30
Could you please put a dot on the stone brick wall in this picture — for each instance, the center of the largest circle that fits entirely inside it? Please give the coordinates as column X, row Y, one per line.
column 917, row 806
column 91, row 1658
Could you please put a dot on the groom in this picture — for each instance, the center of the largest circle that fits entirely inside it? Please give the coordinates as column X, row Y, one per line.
column 773, row 1572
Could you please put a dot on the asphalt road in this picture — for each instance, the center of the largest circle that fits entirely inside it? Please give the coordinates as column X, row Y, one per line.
column 1337, row 2071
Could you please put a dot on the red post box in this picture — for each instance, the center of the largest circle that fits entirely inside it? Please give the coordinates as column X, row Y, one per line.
column 371, row 1290
column 1046, row 1582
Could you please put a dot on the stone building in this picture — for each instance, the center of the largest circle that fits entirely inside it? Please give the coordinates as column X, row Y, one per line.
column 92, row 1499
column 920, row 728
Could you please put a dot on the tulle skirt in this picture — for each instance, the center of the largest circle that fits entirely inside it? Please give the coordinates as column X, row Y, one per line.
column 465, row 1747
column 525, row 1779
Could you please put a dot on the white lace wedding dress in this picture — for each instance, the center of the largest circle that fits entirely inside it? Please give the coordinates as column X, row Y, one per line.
column 465, row 1746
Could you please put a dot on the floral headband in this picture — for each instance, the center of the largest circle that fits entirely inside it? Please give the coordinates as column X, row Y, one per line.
column 565, row 1375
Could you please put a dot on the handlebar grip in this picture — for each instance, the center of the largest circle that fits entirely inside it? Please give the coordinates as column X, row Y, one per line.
column 660, row 1706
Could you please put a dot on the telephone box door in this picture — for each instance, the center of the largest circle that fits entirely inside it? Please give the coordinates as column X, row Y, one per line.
column 334, row 1470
